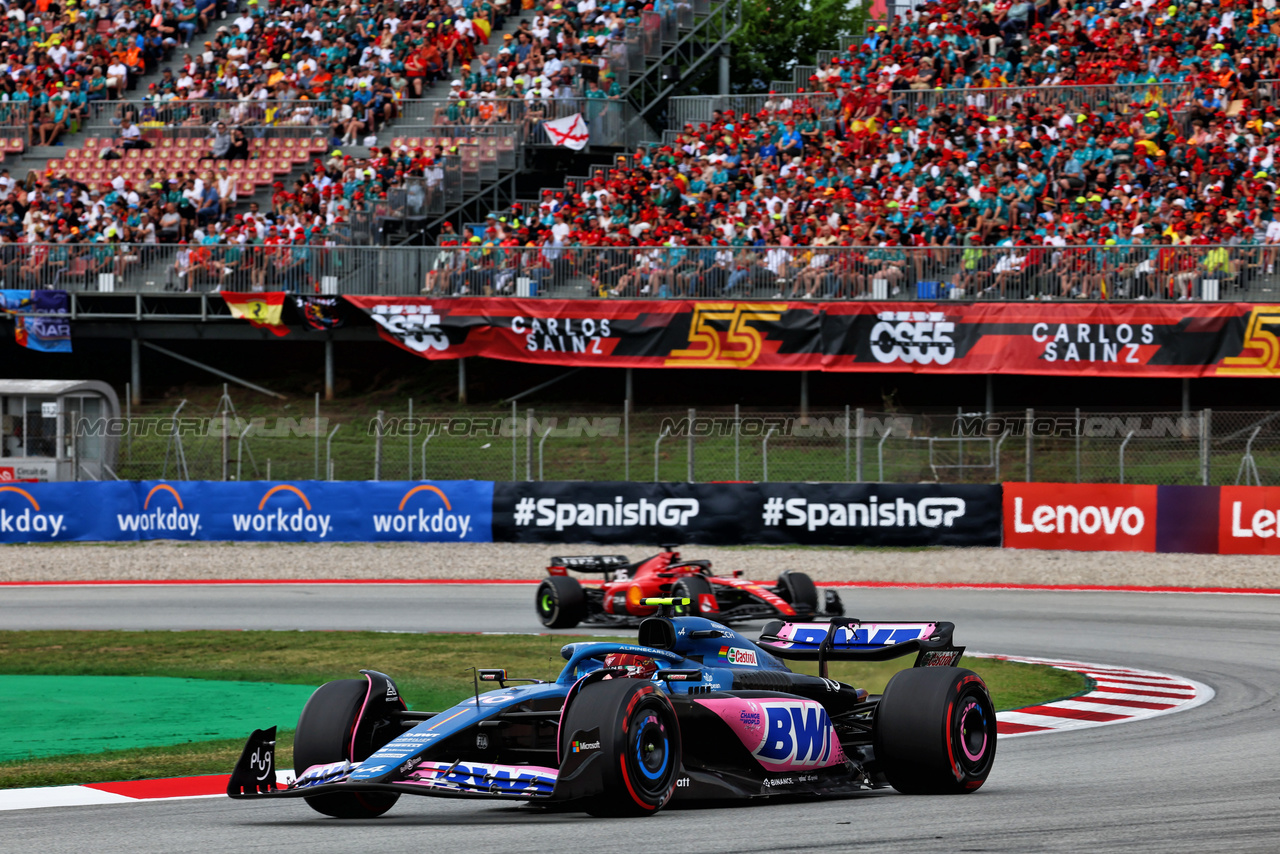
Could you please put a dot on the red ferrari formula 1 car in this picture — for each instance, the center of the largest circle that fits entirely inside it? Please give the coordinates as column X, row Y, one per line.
column 563, row 602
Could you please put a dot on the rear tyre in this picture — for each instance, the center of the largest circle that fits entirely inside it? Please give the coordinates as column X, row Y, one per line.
column 560, row 602
column 935, row 731
column 692, row 588
column 799, row 591
column 639, row 745
column 324, row 735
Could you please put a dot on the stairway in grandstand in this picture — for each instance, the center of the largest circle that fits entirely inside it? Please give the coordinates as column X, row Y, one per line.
column 668, row 47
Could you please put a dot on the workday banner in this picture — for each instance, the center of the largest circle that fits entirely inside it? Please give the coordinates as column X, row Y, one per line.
column 302, row 511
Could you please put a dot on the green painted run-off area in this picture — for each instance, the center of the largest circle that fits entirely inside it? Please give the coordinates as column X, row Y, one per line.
column 58, row 715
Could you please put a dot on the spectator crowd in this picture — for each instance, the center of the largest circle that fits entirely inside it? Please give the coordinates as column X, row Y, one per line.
column 880, row 174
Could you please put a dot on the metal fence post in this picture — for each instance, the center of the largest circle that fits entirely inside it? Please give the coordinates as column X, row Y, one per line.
column 226, row 445
column 880, row 452
column 693, row 414
column 1003, row 436
column 764, row 452
column 846, row 441
column 1077, row 444
column 541, row 442
column 1206, row 431
column 1031, row 415
column 409, row 432
column 626, row 439
column 515, row 439
column 656, row 443
column 240, row 448
column 315, row 429
column 737, row 441
column 1122, row 447
column 528, row 444
column 857, row 432
column 377, row 449
column 128, row 420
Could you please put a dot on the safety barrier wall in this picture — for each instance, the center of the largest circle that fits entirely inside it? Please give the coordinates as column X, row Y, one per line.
column 1081, row 517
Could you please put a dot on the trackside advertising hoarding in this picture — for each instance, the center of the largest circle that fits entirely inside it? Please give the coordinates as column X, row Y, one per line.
column 302, row 511
column 732, row 513
column 1111, row 517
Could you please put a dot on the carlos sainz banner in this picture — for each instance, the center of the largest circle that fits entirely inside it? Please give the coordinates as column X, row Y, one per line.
column 1095, row 339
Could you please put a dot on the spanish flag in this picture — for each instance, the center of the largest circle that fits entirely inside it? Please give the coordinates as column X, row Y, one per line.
column 262, row 310
column 482, row 28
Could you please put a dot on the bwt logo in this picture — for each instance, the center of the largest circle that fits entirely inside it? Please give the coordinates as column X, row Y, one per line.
column 173, row 519
column 443, row 521
column 31, row 520
column 925, row 513
column 302, row 520
column 671, row 512
column 797, row 734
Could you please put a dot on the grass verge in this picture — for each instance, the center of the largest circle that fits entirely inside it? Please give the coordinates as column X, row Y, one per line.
column 429, row 668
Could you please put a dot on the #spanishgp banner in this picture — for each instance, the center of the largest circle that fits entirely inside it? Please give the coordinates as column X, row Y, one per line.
column 745, row 513
column 1053, row 339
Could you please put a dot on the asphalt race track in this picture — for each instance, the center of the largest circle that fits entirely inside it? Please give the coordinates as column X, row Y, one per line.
column 1201, row 780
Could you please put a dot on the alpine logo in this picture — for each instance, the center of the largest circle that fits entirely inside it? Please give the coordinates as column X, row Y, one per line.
column 733, row 655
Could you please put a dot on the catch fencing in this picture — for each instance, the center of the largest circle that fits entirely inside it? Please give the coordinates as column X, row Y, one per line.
column 521, row 443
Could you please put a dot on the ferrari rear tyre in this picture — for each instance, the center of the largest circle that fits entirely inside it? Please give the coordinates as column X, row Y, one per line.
column 639, row 744
column 935, row 731
column 324, row 735
column 692, row 588
column 560, row 602
column 799, row 591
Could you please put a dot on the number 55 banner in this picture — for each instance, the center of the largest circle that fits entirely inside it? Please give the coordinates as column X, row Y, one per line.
column 1096, row 339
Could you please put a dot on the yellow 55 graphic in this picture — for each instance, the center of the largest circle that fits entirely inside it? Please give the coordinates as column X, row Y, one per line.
column 1257, row 337
column 737, row 347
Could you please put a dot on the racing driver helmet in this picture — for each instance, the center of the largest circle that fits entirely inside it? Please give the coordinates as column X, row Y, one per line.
column 636, row 666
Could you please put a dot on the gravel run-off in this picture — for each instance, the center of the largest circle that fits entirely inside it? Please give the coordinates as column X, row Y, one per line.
column 168, row 560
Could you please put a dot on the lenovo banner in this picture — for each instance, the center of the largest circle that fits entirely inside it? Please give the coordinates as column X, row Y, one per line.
column 1080, row 517
column 1058, row 339
column 733, row 513
column 1249, row 520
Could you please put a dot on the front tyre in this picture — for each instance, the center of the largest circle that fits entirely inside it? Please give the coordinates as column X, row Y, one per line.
column 639, row 744
column 935, row 731
column 561, row 602
column 799, row 591
column 693, row 588
column 325, row 735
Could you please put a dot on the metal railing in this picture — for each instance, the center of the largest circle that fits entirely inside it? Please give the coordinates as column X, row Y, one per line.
column 1245, row 272
column 610, row 121
column 177, row 118
column 842, row 444
column 1179, row 99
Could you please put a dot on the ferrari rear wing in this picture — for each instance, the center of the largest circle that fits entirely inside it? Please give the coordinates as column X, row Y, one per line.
column 589, row 563
column 847, row 639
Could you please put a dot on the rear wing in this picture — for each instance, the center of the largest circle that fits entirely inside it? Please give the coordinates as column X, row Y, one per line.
column 587, row 563
column 846, row 639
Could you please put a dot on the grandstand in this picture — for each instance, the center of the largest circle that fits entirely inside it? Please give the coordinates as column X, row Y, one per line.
column 1027, row 151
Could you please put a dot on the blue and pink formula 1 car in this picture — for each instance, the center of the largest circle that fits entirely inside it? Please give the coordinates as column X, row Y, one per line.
column 693, row 711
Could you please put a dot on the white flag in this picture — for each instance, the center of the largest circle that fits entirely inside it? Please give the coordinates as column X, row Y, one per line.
column 571, row 132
